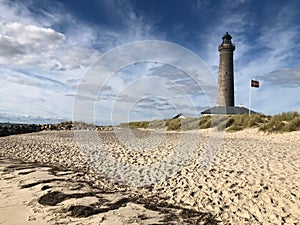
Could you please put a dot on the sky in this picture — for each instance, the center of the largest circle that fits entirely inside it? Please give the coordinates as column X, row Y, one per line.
column 59, row 58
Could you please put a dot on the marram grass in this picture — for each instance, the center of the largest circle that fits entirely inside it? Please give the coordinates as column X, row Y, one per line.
column 284, row 122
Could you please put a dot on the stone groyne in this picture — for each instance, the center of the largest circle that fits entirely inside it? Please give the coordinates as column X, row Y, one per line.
column 13, row 129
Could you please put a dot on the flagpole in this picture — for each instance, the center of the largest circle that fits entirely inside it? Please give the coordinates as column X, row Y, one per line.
column 250, row 97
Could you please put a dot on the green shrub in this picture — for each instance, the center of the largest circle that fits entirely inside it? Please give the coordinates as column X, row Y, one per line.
column 294, row 125
column 285, row 116
column 273, row 125
column 235, row 128
column 190, row 123
column 239, row 122
column 218, row 120
column 205, row 122
column 286, row 121
column 255, row 120
column 283, row 122
column 141, row 124
column 174, row 124
column 157, row 124
column 229, row 121
column 66, row 123
column 206, row 125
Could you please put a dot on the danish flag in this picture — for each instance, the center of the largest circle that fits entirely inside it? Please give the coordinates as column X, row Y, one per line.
column 255, row 83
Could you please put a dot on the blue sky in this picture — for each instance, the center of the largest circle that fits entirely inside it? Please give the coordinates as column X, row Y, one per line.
column 48, row 47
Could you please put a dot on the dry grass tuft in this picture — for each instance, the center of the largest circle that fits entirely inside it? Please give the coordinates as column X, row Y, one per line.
column 284, row 122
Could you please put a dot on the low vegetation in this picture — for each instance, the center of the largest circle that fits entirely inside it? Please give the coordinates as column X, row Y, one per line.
column 284, row 122
column 68, row 125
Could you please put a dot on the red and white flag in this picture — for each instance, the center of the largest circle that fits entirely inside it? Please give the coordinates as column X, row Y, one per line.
column 255, row 83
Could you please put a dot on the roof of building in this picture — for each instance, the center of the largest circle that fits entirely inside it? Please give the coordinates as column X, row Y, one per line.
column 180, row 116
column 228, row 110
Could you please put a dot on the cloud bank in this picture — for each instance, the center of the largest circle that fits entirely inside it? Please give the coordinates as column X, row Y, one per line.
column 47, row 47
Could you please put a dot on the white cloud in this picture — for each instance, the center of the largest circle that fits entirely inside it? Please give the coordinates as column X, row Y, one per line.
column 275, row 99
column 33, row 36
column 21, row 44
column 47, row 14
column 236, row 3
column 13, row 11
column 42, row 65
column 9, row 49
column 200, row 4
column 32, row 45
column 23, row 118
column 288, row 78
column 45, row 53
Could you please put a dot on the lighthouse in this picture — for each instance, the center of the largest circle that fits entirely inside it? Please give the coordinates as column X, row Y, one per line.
column 225, row 97
column 225, row 77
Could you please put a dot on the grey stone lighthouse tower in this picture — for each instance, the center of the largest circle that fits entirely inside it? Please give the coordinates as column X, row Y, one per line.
column 225, row 78
column 225, row 98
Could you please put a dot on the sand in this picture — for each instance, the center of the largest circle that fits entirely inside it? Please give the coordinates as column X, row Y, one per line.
column 33, row 194
column 245, row 177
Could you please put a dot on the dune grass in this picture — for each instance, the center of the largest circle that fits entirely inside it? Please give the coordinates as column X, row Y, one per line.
column 284, row 122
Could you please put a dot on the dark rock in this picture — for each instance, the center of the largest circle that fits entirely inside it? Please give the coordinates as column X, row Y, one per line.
column 82, row 211
column 13, row 129
column 52, row 198
column 45, row 187
column 55, row 197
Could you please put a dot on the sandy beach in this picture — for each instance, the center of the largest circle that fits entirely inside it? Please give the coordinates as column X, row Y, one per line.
column 249, row 177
